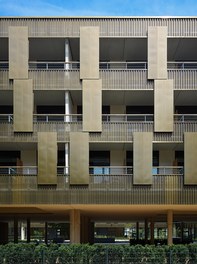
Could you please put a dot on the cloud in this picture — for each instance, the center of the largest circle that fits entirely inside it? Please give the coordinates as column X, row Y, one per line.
column 44, row 8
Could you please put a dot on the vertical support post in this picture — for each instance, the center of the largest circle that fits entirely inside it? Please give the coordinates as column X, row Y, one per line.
column 146, row 231
column 46, row 233
column 91, row 232
column 66, row 171
column 75, row 226
column 15, row 230
column 137, row 231
column 22, row 231
column 67, row 54
column 170, row 226
column 152, row 232
column 28, row 231
column 68, row 107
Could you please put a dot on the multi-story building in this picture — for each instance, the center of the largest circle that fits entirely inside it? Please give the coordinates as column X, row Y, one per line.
column 98, row 123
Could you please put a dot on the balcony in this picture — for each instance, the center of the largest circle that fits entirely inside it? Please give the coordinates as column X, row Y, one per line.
column 115, row 128
column 117, row 188
column 114, row 75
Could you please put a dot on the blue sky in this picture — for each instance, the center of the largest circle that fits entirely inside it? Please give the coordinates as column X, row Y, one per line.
column 98, row 7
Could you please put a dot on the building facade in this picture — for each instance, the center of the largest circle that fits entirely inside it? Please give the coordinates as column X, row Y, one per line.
column 98, row 123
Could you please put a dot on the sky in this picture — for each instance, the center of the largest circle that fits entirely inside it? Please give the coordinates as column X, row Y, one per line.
column 98, row 7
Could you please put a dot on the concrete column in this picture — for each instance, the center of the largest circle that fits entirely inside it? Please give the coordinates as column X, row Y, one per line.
column 91, row 232
column 146, row 231
column 137, row 231
column 75, row 226
column 15, row 230
column 66, row 158
column 22, row 231
column 67, row 54
column 170, row 226
column 28, row 230
column 46, row 233
column 68, row 107
column 84, row 229
column 152, row 232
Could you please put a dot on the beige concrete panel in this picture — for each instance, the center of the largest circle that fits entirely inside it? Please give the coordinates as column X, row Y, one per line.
column 79, row 158
column 92, row 105
column 117, row 109
column 47, row 158
column 142, row 158
column 89, row 53
column 166, row 157
column 163, row 106
column 75, row 227
column 18, row 52
column 190, row 158
column 117, row 161
column 157, row 52
column 23, row 105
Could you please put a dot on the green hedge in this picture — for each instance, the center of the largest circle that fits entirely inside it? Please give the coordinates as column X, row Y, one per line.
column 97, row 254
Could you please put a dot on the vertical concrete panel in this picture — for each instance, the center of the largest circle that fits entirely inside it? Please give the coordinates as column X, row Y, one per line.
column 18, row 52
column 163, row 106
column 75, row 227
column 89, row 53
column 23, row 106
column 79, row 158
column 92, row 105
column 142, row 157
column 157, row 53
column 47, row 158
column 190, row 158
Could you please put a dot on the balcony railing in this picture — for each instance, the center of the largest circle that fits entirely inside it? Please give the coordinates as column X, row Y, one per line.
column 93, row 170
column 115, row 65
column 28, row 170
column 102, row 189
column 111, row 118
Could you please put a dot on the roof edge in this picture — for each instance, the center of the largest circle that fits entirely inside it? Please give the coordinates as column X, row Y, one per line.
column 95, row 17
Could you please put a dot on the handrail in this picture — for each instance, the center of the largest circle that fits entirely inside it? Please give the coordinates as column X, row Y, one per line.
column 185, row 117
column 18, row 170
column 57, row 117
column 28, row 170
column 69, row 118
column 51, row 65
column 125, row 170
column 122, row 65
column 110, row 170
column 93, row 170
column 168, row 170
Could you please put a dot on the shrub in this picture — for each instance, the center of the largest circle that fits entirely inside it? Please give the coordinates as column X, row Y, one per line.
column 86, row 254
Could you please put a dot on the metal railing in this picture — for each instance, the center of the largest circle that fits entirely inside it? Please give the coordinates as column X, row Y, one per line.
column 113, row 65
column 28, row 170
column 111, row 118
column 93, row 170
column 18, row 170
column 168, row 170
column 110, row 170
column 60, row 65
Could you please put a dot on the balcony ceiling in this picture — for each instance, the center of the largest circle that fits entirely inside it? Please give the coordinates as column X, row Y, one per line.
column 101, row 146
column 109, row 212
column 111, row 49
column 124, row 97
